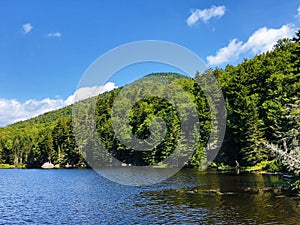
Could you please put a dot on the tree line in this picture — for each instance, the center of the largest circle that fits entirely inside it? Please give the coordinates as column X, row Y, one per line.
column 262, row 98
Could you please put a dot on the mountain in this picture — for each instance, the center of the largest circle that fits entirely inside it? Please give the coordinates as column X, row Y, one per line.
column 262, row 101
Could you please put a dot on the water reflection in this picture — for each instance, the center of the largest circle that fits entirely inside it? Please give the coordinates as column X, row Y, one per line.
column 189, row 197
column 224, row 199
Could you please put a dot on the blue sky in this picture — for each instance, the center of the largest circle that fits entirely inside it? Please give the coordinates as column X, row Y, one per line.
column 46, row 46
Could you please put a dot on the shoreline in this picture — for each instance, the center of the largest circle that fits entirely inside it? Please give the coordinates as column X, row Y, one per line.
column 231, row 170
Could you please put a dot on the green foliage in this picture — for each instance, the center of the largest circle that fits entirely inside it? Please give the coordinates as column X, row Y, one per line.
column 262, row 102
column 270, row 166
column 223, row 167
column 258, row 93
column 33, row 144
column 295, row 185
column 142, row 117
column 6, row 166
column 273, row 166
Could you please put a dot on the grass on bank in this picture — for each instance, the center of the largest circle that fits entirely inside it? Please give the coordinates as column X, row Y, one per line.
column 6, row 166
column 264, row 166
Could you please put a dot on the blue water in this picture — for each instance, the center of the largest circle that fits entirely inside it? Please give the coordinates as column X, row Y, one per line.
column 81, row 196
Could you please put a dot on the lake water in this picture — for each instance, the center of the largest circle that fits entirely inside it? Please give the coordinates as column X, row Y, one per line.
column 81, row 196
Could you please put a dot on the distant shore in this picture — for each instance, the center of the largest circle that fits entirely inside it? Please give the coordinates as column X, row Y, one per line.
column 218, row 169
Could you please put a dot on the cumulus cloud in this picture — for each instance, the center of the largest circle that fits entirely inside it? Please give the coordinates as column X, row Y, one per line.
column 56, row 34
column 260, row 41
column 205, row 14
column 228, row 53
column 87, row 92
column 27, row 28
column 12, row 111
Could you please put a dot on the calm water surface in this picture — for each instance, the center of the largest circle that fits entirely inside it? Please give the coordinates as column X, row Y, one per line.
column 83, row 197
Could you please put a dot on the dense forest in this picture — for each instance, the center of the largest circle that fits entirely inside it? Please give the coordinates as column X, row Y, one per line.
column 262, row 98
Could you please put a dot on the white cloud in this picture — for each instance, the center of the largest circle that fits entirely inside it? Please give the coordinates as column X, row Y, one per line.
column 87, row 92
column 298, row 10
column 12, row 111
column 27, row 28
column 260, row 41
column 205, row 14
column 56, row 34
column 228, row 53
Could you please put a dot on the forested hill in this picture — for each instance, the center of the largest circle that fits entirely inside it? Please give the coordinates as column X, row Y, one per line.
column 263, row 103
column 263, row 106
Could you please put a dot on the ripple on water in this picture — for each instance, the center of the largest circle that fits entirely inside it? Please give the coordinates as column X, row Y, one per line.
column 83, row 197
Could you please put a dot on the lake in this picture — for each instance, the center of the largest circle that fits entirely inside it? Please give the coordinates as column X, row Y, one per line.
column 81, row 196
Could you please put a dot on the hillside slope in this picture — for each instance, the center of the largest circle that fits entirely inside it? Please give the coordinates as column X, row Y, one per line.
column 262, row 100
